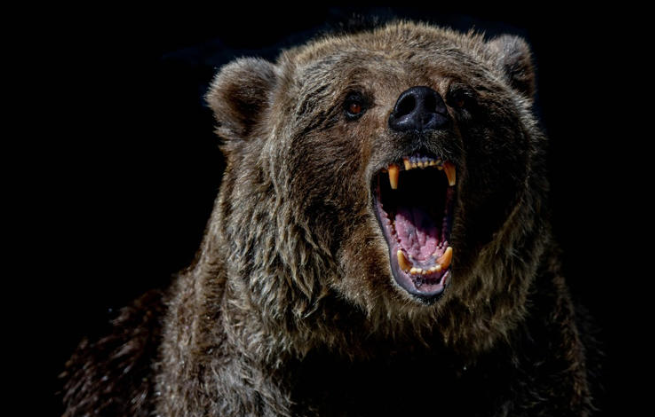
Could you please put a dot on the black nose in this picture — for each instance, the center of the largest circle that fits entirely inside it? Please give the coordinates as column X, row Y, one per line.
column 419, row 109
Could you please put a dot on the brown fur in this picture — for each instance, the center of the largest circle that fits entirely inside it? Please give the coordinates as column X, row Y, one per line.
column 290, row 308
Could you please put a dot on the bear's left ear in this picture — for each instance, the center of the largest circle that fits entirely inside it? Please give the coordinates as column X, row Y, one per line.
column 239, row 94
column 513, row 58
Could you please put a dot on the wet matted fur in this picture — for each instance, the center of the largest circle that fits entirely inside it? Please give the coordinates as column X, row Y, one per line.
column 292, row 307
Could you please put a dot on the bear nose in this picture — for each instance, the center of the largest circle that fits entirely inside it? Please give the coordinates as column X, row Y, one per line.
column 419, row 109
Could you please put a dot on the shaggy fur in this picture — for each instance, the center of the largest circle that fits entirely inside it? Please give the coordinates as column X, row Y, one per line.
column 291, row 309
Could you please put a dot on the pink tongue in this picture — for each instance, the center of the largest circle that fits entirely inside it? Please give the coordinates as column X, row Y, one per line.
column 418, row 233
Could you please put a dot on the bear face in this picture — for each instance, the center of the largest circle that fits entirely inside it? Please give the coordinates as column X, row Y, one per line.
column 397, row 169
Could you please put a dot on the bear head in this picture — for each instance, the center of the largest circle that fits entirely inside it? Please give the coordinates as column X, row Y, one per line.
column 397, row 171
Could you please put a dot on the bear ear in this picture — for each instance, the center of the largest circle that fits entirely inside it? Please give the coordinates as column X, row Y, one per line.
column 239, row 94
column 512, row 56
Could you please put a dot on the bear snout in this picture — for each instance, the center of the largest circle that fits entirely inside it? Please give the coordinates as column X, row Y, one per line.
column 419, row 109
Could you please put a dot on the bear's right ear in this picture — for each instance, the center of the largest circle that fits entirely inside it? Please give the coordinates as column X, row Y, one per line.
column 239, row 94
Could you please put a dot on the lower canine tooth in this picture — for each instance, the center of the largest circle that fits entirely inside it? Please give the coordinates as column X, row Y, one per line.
column 446, row 258
column 394, row 172
column 403, row 262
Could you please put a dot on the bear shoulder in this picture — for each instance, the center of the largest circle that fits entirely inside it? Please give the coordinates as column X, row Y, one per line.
column 113, row 375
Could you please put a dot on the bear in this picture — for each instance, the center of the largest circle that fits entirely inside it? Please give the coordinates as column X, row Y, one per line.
column 380, row 245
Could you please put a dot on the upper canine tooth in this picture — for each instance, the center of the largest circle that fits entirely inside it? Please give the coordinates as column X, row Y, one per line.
column 451, row 173
column 394, row 172
column 403, row 262
column 446, row 258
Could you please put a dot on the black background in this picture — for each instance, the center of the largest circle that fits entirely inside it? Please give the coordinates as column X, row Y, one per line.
column 128, row 166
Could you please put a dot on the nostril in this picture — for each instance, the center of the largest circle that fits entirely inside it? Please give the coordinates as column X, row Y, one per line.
column 405, row 106
column 419, row 109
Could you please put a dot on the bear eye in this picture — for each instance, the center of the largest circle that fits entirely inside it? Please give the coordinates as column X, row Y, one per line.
column 460, row 98
column 355, row 106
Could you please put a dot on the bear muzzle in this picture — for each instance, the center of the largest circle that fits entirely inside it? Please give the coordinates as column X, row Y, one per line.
column 419, row 109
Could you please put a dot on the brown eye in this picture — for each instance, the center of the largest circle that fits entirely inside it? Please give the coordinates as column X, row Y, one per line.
column 460, row 98
column 354, row 108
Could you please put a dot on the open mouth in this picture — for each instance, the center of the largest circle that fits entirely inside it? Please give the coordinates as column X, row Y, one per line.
column 413, row 202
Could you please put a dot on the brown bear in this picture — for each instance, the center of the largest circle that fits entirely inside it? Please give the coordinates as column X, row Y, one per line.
column 380, row 246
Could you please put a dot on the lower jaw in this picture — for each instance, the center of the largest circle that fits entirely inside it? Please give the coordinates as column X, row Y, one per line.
column 426, row 287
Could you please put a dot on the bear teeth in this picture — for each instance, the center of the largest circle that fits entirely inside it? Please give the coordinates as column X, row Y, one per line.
column 451, row 173
column 403, row 262
column 441, row 264
column 421, row 162
column 394, row 172
column 446, row 258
